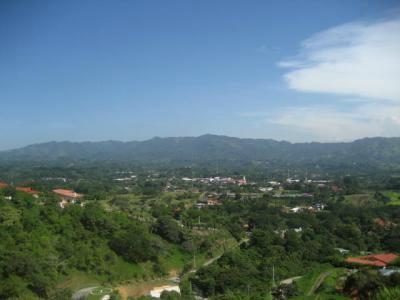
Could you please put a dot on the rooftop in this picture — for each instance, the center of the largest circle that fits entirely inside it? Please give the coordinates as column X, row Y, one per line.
column 378, row 260
column 27, row 190
column 67, row 193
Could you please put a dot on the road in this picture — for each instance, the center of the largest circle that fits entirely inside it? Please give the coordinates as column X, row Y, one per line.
column 290, row 280
column 318, row 282
column 211, row 260
column 82, row 293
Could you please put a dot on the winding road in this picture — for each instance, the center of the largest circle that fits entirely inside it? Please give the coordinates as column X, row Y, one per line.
column 318, row 282
column 83, row 293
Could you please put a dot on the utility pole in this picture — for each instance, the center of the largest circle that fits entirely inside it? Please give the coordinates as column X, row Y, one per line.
column 273, row 275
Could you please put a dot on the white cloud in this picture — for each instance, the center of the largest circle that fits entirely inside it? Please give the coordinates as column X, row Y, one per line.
column 360, row 59
column 332, row 124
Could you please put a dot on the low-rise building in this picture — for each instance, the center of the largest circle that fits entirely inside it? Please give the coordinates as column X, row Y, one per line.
column 28, row 190
column 67, row 196
column 376, row 260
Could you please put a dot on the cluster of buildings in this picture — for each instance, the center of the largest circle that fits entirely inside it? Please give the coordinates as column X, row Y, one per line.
column 66, row 196
column 132, row 177
column 208, row 200
column 217, row 180
column 283, row 232
column 28, row 190
column 312, row 208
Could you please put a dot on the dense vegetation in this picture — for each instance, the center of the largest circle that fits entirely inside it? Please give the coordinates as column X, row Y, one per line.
column 41, row 244
column 274, row 243
column 140, row 222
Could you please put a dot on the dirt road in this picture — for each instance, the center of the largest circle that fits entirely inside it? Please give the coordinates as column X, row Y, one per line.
column 318, row 282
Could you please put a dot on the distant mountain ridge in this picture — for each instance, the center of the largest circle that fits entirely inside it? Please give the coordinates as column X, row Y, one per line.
column 210, row 148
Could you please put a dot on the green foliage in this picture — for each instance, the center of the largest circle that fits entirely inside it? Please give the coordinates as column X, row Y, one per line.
column 170, row 295
column 134, row 244
column 388, row 293
column 169, row 229
column 42, row 243
column 370, row 285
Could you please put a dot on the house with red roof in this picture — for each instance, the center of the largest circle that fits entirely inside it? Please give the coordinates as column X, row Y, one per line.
column 67, row 196
column 376, row 260
column 28, row 190
column 3, row 185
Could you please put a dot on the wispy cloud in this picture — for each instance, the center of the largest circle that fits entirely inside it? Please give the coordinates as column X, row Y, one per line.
column 332, row 124
column 360, row 59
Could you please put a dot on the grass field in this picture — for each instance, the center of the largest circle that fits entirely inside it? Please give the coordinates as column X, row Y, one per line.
column 365, row 199
column 305, row 283
column 77, row 280
column 393, row 196
column 329, row 278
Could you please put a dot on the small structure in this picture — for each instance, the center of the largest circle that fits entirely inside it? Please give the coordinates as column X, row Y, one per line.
column 376, row 260
column 266, row 189
column 342, row 251
column 242, row 181
column 200, row 205
column 3, row 185
column 388, row 272
column 67, row 197
column 298, row 230
column 383, row 223
column 297, row 209
column 213, row 202
column 157, row 291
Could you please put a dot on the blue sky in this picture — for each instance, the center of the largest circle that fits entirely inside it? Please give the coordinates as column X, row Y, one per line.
column 132, row 70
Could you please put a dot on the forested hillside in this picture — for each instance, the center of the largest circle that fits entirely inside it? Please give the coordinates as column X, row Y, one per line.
column 43, row 247
column 208, row 148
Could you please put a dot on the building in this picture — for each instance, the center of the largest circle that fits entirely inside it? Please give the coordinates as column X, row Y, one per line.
column 376, row 260
column 242, row 181
column 297, row 209
column 28, row 190
column 388, row 272
column 383, row 223
column 3, row 185
column 213, row 202
column 67, row 196
column 342, row 251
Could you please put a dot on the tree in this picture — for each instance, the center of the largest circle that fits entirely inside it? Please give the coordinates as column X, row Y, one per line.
column 133, row 245
column 168, row 228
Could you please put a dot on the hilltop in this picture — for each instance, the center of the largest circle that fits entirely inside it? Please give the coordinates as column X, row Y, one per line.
column 208, row 148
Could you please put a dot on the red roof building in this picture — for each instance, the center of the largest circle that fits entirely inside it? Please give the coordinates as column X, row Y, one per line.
column 28, row 190
column 3, row 185
column 377, row 260
column 69, row 194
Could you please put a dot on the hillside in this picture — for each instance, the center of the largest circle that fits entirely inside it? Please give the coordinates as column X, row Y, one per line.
column 211, row 148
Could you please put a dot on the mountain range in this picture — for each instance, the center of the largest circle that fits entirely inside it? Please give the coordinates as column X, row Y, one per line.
column 211, row 148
